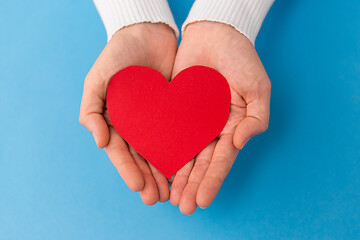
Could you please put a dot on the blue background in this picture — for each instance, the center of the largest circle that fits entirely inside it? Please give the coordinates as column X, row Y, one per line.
column 299, row 180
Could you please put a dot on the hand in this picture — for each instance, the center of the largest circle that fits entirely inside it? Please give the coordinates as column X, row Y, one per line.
column 223, row 48
column 145, row 44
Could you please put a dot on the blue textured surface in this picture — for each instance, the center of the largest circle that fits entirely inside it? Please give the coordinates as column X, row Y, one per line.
column 299, row 180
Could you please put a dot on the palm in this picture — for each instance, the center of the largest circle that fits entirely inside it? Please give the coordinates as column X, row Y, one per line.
column 151, row 45
column 224, row 49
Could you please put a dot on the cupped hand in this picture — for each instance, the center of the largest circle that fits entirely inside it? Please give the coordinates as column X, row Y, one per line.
column 145, row 44
column 223, row 48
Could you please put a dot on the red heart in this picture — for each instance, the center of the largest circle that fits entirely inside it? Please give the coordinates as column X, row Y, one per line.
column 168, row 123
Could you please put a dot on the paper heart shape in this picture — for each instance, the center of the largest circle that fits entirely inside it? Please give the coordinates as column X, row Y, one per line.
column 168, row 123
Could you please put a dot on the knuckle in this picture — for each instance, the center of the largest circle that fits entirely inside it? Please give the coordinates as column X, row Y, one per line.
column 177, row 185
column 222, row 160
column 82, row 119
column 216, row 178
column 95, row 84
column 89, row 75
column 264, row 127
column 116, row 148
column 194, row 181
column 181, row 176
column 202, row 162
column 266, row 86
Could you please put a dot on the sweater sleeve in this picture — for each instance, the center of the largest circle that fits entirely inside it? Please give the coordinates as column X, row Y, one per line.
column 117, row 14
column 246, row 16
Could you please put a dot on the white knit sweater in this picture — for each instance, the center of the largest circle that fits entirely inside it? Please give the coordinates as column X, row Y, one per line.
column 246, row 16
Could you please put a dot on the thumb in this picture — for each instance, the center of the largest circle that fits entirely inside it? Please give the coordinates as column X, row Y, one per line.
column 255, row 122
column 91, row 110
column 247, row 129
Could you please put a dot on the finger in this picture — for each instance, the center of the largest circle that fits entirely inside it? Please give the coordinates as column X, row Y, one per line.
column 119, row 154
column 149, row 194
column 162, row 184
column 91, row 110
column 256, row 120
column 220, row 165
column 202, row 161
column 179, row 183
column 187, row 56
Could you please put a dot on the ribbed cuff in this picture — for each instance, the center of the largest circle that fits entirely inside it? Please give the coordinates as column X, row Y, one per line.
column 117, row 14
column 246, row 16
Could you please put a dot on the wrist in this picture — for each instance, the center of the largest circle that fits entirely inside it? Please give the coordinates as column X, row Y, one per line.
column 246, row 16
column 214, row 33
column 118, row 14
column 147, row 31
